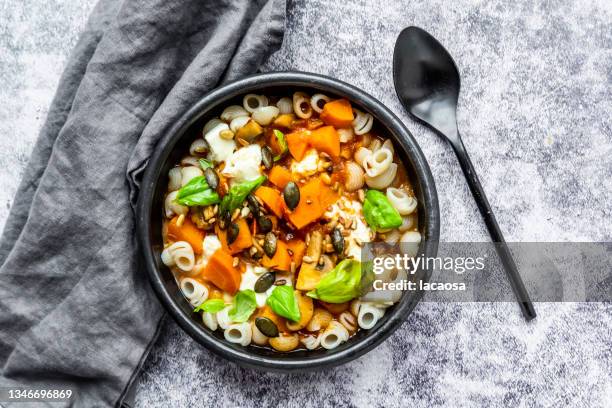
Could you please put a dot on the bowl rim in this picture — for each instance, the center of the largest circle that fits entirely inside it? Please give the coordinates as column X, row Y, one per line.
column 400, row 134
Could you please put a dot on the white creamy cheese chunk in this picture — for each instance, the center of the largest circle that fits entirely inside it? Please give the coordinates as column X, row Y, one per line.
column 351, row 210
column 209, row 246
column 250, row 276
column 308, row 165
column 220, row 149
column 243, row 164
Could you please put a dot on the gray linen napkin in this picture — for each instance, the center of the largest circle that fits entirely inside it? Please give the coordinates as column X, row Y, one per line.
column 75, row 306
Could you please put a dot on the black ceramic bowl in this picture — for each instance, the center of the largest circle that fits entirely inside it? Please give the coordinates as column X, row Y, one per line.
column 175, row 144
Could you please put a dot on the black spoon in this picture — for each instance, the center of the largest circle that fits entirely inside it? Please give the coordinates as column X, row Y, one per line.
column 427, row 83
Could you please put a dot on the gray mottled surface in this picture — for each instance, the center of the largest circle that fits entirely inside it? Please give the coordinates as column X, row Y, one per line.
column 535, row 114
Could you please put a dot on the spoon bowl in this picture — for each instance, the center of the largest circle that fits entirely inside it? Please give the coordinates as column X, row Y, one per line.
column 426, row 80
column 427, row 83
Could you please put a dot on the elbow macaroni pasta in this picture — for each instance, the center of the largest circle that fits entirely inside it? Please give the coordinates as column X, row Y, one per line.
column 265, row 115
column 354, row 177
column 369, row 315
column 198, row 147
column 334, row 335
column 285, row 106
column 257, row 336
column 238, row 123
column 210, row 320
column 318, row 101
column 171, row 207
column 232, row 112
column 402, row 202
column 223, row 319
column 361, row 154
column 174, row 179
column 189, row 173
column 239, row 333
column 301, row 105
column 211, row 124
column 251, row 102
column 194, row 291
column 311, row 342
column 363, row 122
column 384, row 179
column 378, row 162
column 179, row 254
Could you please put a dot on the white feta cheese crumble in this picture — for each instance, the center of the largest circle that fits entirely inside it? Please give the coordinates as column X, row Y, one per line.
column 308, row 165
column 250, row 276
column 243, row 164
column 220, row 149
column 351, row 210
column 209, row 246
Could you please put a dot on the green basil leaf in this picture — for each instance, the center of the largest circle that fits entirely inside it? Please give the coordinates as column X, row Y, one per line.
column 197, row 192
column 238, row 193
column 204, row 163
column 284, row 303
column 211, row 306
column 367, row 277
column 378, row 211
column 341, row 284
column 195, row 185
column 244, row 306
column 204, row 198
column 282, row 142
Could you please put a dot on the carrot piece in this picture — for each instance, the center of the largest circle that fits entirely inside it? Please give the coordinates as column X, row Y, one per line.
column 298, row 248
column 315, row 197
column 186, row 232
column 326, row 139
column 338, row 113
column 243, row 241
column 327, row 197
column 271, row 198
column 221, row 272
column 280, row 176
column 281, row 260
column 297, row 142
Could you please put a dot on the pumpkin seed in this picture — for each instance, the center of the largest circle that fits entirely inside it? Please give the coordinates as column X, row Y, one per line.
column 264, row 223
column 266, row 327
column 264, row 282
column 211, row 178
column 291, row 194
column 224, row 219
column 269, row 245
column 232, row 233
column 337, row 240
column 253, row 204
column 266, row 157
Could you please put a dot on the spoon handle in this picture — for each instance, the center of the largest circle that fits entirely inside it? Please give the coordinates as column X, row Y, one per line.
column 496, row 234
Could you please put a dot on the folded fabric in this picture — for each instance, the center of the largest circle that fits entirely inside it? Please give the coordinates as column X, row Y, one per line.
column 75, row 305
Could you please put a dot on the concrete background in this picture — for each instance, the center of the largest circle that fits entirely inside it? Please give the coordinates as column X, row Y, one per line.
column 535, row 114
